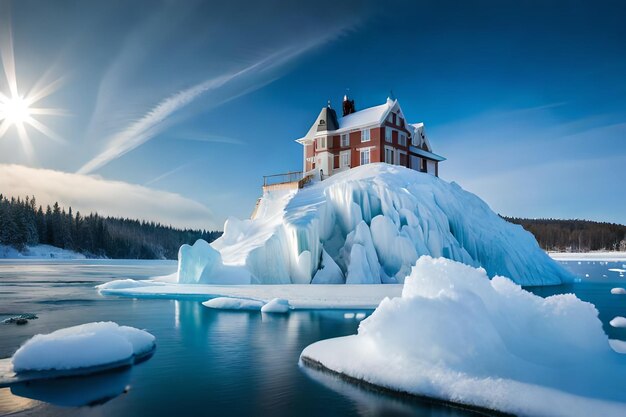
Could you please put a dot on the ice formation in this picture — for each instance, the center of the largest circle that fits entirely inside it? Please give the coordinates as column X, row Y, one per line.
column 83, row 346
column 618, row 291
column 276, row 305
column 366, row 225
column 457, row 336
column 231, row 303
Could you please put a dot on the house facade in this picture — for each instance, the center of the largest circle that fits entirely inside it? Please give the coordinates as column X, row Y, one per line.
column 375, row 134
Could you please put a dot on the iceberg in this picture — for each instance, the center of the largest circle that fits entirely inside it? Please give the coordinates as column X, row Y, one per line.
column 367, row 225
column 456, row 336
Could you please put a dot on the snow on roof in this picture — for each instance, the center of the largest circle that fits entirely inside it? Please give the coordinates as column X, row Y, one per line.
column 364, row 117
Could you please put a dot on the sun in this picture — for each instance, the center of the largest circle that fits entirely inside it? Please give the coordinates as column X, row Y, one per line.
column 14, row 110
column 17, row 111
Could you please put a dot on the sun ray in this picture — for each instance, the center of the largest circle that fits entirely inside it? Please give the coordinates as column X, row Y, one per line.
column 46, row 130
column 47, row 111
column 37, row 94
column 25, row 139
column 15, row 108
column 4, row 127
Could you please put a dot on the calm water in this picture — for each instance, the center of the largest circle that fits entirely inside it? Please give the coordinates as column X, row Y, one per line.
column 208, row 362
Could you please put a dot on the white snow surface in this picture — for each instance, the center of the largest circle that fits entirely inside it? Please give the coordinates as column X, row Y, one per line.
column 38, row 252
column 299, row 296
column 83, row 346
column 276, row 305
column 606, row 256
column 367, row 225
column 232, row 303
column 455, row 335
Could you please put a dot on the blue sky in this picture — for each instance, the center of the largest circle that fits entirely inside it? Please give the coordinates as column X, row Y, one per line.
column 527, row 100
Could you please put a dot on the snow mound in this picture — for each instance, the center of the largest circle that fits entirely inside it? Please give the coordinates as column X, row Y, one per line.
column 457, row 336
column 229, row 303
column 83, row 346
column 618, row 322
column 276, row 305
column 367, row 225
column 618, row 291
column 127, row 284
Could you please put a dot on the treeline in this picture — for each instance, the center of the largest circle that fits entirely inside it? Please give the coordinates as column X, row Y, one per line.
column 575, row 235
column 24, row 223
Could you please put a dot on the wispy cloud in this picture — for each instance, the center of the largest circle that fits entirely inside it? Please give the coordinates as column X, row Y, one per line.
column 207, row 137
column 257, row 75
column 87, row 193
column 169, row 173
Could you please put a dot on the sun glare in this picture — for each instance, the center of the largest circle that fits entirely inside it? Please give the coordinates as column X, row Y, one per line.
column 14, row 110
column 19, row 113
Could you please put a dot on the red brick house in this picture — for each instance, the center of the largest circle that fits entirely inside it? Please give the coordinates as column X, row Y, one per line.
column 375, row 134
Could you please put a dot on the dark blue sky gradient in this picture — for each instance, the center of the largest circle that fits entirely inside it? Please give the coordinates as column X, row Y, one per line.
column 527, row 100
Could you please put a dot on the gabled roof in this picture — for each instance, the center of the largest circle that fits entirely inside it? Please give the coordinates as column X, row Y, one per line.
column 364, row 117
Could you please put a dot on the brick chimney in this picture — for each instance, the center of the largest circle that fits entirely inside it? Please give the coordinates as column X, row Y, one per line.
column 348, row 106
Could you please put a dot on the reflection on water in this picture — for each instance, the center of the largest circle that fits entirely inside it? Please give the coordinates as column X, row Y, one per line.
column 208, row 361
column 76, row 391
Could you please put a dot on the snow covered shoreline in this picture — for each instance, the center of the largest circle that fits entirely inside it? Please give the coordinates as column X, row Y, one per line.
column 588, row 256
column 39, row 252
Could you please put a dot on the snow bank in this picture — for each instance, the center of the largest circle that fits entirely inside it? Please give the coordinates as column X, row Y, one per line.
column 457, row 336
column 277, row 305
column 87, row 345
column 367, row 225
column 618, row 322
column 128, row 284
column 229, row 303
column 608, row 256
column 38, row 252
column 618, row 291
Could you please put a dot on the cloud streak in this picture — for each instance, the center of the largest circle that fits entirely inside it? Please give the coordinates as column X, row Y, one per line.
column 159, row 117
column 87, row 194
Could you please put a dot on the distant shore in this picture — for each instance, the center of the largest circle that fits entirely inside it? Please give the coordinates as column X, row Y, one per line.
column 38, row 252
column 604, row 256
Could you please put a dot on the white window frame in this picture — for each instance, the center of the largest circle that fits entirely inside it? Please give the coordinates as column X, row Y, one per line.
column 345, row 140
column 363, row 151
column 401, row 139
column 388, row 135
column 344, row 163
column 365, row 135
column 390, row 160
column 321, row 140
column 398, row 153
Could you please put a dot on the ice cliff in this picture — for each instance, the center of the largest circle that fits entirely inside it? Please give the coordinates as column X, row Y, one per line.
column 367, row 225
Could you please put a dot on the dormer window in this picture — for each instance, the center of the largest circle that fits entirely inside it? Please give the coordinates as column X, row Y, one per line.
column 365, row 135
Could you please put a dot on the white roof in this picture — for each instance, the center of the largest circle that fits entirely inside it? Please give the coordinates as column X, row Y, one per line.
column 364, row 117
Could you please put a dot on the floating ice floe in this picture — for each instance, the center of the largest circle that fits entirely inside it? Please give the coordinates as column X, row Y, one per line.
column 276, row 305
column 618, row 291
column 83, row 348
column 229, row 303
column 456, row 336
column 367, row 225
column 618, row 322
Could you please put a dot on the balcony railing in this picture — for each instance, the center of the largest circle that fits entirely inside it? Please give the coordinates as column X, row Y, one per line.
column 282, row 178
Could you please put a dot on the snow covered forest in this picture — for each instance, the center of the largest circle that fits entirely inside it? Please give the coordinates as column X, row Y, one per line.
column 575, row 235
column 23, row 223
